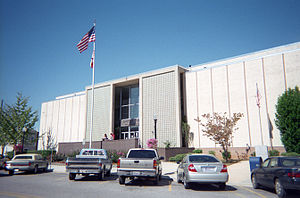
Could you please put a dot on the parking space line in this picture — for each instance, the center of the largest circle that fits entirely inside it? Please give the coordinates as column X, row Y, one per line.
column 238, row 194
column 17, row 195
column 170, row 186
column 260, row 195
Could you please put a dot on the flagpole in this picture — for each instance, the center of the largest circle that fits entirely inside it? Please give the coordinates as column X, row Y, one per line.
column 258, row 105
column 93, row 84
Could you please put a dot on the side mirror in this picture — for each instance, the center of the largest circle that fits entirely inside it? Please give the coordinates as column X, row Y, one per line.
column 161, row 158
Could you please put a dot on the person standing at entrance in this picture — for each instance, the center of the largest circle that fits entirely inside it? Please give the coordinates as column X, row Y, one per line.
column 112, row 136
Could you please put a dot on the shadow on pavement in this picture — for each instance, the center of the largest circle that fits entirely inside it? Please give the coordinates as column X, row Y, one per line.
column 165, row 181
column 95, row 178
column 290, row 193
column 209, row 187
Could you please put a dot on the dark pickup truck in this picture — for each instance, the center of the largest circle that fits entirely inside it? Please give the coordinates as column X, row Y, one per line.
column 279, row 173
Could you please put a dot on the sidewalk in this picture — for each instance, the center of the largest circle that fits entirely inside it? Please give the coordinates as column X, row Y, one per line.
column 239, row 173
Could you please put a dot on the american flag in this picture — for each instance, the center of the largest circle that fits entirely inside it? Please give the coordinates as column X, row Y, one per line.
column 87, row 38
column 258, row 97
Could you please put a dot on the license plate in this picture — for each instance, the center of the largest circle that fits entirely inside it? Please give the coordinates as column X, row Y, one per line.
column 136, row 173
column 208, row 169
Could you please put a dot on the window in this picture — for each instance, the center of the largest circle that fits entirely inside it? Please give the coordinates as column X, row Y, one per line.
column 202, row 158
column 274, row 162
column 23, row 157
column 290, row 162
column 266, row 163
column 141, row 154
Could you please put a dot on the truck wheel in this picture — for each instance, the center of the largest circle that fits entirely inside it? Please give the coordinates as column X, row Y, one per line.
column 156, row 180
column 72, row 176
column 11, row 172
column 46, row 168
column 122, row 180
column 101, row 175
column 280, row 191
column 36, row 169
column 108, row 173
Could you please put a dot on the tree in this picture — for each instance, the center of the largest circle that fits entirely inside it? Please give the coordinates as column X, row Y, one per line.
column 185, row 128
column 288, row 119
column 48, row 140
column 18, row 117
column 219, row 128
column 4, row 129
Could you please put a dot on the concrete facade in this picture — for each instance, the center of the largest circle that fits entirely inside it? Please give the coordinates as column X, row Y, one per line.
column 230, row 86
column 168, row 94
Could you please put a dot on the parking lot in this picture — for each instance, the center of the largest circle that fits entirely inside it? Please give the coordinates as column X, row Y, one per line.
column 55, row 183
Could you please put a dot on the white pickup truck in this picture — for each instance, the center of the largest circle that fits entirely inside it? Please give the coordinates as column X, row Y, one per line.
column 89, row 161
column 141, row 163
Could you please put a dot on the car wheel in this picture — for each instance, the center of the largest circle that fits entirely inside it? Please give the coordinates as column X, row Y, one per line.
column 46, row 168
column 186, row 184
column 178, row 179
column 122, row 180
column 36, row 169
column 222, row 186
column 11, row 172
column 72, row 176
column 101, row 175
column 280, row 191
column 255, row 185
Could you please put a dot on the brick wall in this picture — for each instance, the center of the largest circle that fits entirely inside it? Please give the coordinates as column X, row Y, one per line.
column 110, row 145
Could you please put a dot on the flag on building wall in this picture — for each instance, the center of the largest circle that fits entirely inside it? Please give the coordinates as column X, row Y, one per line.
column 258, row 97
column 93, row 59
column 87, row 38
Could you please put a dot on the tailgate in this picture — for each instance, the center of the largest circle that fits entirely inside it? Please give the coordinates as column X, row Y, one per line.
column 136, row 163
column 83, row 163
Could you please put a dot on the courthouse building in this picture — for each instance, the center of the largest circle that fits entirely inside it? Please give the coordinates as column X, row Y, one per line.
column 128, row 106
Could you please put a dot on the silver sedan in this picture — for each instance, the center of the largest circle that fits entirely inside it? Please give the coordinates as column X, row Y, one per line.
column 202, row 168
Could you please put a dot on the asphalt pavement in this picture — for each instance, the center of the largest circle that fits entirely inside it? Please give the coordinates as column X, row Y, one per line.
column 239, row 173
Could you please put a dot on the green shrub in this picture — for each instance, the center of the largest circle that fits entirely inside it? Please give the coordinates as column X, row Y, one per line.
column 10, row 154
column 226, row 155
column 212, row 153
column 177, row 158
column 115, row 155
column 290, row 154
column 73, row 154
column 287, row 119
column 45, row 153
column 197, row 151
column 167, row 144
column 59, row 157
column 273, row 153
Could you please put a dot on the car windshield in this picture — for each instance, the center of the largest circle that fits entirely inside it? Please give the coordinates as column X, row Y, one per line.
column 290, row 162
column 141, row 154
column 202, row 158
column 23, row 157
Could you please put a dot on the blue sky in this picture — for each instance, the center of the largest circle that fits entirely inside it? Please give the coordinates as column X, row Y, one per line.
column 39, row 58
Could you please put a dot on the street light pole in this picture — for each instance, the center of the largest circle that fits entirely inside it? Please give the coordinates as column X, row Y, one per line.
column 155, row 122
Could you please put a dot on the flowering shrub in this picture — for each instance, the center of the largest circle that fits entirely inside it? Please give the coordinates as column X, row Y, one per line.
column 18, row 148
column 115, row 155
column 152, row 143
